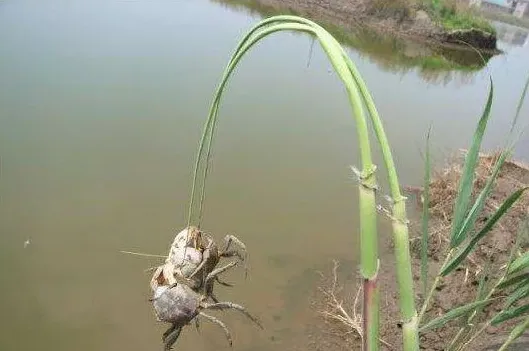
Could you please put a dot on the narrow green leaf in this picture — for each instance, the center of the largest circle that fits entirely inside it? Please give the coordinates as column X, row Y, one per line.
column 521, row 235
column 505, row 206
column 467, row 178
column 511, row 280
column 509, row 314
column 520, row 263
column 453, row 314
column 425, row 216
column 515, row 334
column 480, row 294
column 479, row 204
column 520, row 104
column 521, row 292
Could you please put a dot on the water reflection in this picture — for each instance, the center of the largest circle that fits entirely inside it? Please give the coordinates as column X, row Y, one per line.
column 512, row 35
column 434, row 64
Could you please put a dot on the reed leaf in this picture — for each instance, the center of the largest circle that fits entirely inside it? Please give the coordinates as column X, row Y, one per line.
column 509, row 314
column 481, row 293
column 425, row 216
column 517, row 331
column 520, row 263
column 500, row 212
column 520, row 104
column 467, row 179
column 453, row 314
column 512, row 280
column 521, row 292
column 357, row 94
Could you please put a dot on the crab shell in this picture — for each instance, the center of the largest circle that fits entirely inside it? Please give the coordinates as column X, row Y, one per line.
column 186, row 260
column 187, row 237
column 177, row 305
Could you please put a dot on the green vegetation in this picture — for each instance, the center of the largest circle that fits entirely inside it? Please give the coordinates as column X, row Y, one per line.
column 453, row 16
column 513, row 284
column 450, row 14
column 359, row 97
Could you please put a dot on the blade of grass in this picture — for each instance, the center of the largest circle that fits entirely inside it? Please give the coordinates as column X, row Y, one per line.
column 520, row 104
column 522, row 230
column 521, row 292
column 505, row 206
column 481, row 293
column 515, row 334
column 510, row 314
column 467, row 182
column 480, row 296
column 520, row 263
column 453, row 314
column 511, row 280
column 425, row 217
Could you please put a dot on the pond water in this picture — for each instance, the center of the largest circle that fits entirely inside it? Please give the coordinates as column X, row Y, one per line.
column 101, row 108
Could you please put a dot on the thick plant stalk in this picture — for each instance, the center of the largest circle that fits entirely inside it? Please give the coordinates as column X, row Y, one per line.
column 410, row 327
column 358, row 95
column 369, row 260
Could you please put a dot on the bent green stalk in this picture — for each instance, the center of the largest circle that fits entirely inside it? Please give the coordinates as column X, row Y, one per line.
column 358, row 95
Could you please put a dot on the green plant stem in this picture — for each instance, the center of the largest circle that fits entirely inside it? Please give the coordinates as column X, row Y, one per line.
column 358, row 95
column 434, row 286
column 399, row 224
column 367, row 180
column 410, row 334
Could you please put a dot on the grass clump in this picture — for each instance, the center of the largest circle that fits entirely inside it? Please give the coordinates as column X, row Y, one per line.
column 453, row 15
column 450, row 14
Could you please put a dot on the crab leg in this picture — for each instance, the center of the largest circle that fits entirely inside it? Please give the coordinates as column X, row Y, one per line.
column 205, row 259
column 225, row 305
column 228, row 240
column 221, row 282
column 170, row 337
column 220, row 270
column 220, row 324
column 197, row 324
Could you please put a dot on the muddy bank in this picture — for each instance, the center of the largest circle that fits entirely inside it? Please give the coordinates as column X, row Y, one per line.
column 458, row 288
column 352, row 14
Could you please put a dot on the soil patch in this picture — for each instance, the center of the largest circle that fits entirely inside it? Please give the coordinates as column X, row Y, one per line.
column 388, row 17
column 460, row 287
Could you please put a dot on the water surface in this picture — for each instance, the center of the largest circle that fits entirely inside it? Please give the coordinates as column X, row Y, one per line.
column 101, row 108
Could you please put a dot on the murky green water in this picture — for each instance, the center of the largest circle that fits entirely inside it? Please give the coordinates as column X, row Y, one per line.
column 101, row 107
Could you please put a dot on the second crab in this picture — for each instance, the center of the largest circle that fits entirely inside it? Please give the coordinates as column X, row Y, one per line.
column 184, row 283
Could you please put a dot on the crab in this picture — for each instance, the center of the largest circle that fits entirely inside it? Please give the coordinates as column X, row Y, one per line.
column 192, row 257
column 179, row 305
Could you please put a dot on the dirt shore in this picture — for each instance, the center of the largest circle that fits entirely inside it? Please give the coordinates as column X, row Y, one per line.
column 456, row 289
column 351, row 14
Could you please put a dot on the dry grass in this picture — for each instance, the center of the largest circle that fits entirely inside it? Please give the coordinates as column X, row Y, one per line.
column 398, row 9
column 342, row 322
